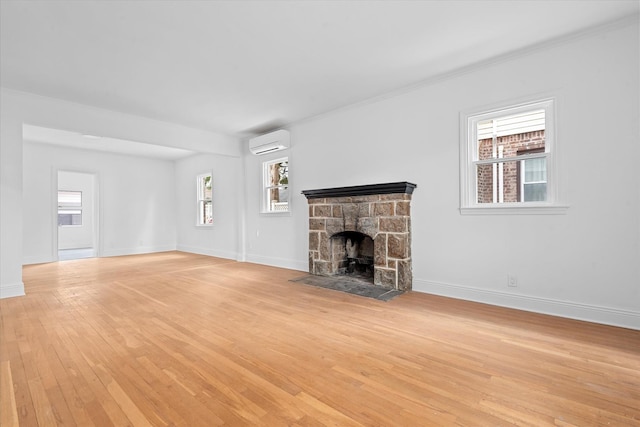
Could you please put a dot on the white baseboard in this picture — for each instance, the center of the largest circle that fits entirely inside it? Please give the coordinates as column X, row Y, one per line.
column 12, row 290
column 42, row 259
column 208, row 252
column 278, row 262
column 28, row 260
column 590, row 313
column 137, row 251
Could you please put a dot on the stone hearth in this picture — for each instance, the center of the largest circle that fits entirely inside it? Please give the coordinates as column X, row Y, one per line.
column 342, row 223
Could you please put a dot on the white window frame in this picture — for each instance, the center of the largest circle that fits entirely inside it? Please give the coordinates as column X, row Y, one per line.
column 265, row 187
column 201, row 199
column 469, row 161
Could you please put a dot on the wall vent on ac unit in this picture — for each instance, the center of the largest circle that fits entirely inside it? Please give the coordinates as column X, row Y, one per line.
column 269, row 142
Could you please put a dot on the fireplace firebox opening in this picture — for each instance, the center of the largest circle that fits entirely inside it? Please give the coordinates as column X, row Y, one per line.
column 352, row 255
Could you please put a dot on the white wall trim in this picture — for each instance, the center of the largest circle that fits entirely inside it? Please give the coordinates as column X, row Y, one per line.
column 137, row 251
column 42, row 259
column 38, row 259
column 278, row 262
column 13, row 290
column 209, row 252
column 571, row 310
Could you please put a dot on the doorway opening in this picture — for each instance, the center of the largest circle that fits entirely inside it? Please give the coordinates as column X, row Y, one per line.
column 76, row 215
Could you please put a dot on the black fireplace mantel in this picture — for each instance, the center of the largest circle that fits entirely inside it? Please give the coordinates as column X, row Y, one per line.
column 361, row 190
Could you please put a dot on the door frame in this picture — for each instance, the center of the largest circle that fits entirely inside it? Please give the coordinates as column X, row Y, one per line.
column 96, row 210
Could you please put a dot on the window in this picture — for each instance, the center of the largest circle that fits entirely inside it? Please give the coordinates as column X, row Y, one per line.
column 69, row 208
column 275, row 193
column 204, row 186
column 506, row 162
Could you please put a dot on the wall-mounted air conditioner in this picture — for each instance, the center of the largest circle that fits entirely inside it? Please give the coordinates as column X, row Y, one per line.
column 269, row 142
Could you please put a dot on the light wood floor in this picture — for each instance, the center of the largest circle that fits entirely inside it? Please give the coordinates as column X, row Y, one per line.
column 174, row 339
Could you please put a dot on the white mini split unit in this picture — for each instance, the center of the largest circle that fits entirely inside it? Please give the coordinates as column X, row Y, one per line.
column 269, row 142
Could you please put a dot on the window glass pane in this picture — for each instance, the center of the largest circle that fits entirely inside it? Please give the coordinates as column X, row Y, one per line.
column 278, row 173
column 535, row 192
column 512, row 124
column 535, row 170
column 504, row 137
column 485, row 180
column 205, row 212
column 498, row 183
column 69, row 217
column 501, row 182
column 70, row 198
column 283, row 194
column 281, row 203
column 204, row 187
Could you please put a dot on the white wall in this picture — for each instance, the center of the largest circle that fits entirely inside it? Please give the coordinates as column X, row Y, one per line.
column 584, row 264
column 278, row 239
column 137, row 211
column 10, row 199
column 82, row 235
column 221, row 238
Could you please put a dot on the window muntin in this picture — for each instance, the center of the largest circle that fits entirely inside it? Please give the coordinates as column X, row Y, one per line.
column 204, row 198
column 275, row 188
column 66, row 200
column 507, row 159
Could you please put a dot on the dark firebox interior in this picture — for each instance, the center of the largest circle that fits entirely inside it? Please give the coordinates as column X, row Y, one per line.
column 353, row 254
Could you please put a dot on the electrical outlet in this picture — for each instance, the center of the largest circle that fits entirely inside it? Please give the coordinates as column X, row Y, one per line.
column 512, row 281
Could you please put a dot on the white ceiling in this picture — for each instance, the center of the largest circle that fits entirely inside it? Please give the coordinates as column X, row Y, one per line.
column 243, row 67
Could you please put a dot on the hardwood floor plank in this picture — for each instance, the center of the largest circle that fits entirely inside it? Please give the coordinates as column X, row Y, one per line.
column 176, row 339
column 44, row 411
column 127, row 405
column 8, row 408
column 24, row 401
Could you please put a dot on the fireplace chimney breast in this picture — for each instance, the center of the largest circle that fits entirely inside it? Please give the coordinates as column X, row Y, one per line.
column 381, row 212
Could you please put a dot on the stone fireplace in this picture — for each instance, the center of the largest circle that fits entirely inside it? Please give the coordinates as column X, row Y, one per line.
column 362, row 231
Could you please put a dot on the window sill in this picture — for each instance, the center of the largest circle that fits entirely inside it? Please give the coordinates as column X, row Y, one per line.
column 515, row 209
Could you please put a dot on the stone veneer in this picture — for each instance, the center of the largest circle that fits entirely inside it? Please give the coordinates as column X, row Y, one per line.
column 380, row 211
